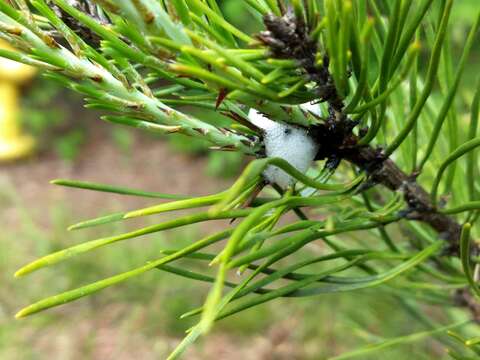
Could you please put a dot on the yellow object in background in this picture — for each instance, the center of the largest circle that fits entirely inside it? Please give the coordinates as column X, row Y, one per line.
column 13, row 144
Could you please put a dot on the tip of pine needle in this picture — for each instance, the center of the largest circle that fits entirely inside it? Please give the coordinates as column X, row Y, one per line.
column 241, row 270
column 19, row 315
column 20, row 272
column 131, row 215
column 215, row 261
column 26, row 311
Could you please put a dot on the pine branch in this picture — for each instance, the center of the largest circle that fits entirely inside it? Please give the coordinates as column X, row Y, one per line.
column 142, row 61
column 288, row 38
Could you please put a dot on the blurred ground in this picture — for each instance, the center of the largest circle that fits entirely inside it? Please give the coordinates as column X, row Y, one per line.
column 151, row 165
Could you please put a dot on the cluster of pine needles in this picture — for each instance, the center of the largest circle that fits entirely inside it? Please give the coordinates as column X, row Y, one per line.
column 384, row 71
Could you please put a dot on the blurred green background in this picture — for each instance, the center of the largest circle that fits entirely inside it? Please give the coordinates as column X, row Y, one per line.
column 140, row 319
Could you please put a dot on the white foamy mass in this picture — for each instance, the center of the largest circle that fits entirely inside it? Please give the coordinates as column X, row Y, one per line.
column 288, row 142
